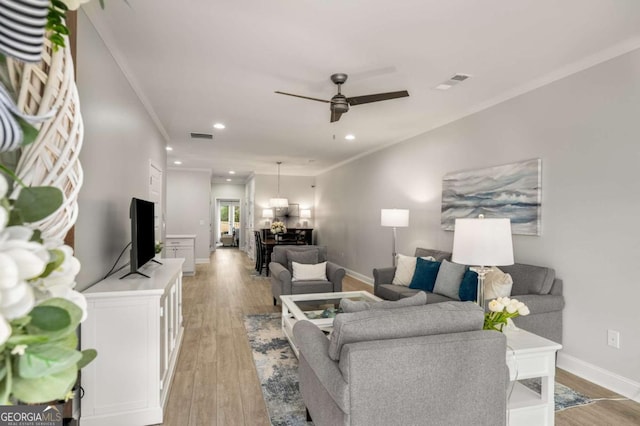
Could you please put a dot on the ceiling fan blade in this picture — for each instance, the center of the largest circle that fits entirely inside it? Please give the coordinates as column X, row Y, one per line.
column 303, row 97
column 335, row 116
column 358, row 100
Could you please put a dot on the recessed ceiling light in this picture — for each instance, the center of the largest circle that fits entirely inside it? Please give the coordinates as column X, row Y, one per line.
column 219, row 126
column 443, row 87
column 228, row 180
column 169, row 148
column 178, row 162
column 350, row 137
column 231, row 172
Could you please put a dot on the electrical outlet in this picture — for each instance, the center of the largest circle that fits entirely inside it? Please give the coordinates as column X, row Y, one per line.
column 613, row 338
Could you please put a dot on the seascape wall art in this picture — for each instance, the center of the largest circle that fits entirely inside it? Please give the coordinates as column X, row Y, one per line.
column 512, row 190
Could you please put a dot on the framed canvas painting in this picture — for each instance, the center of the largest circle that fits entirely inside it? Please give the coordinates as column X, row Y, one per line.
column 511, row 190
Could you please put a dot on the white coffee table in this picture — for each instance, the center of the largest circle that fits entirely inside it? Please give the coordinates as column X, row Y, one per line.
column 310, row 306
column 530, row 356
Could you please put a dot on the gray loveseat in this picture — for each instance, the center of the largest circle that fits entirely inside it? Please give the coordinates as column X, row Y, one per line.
column 280, row 269
column 419, row 365
column 536, row 286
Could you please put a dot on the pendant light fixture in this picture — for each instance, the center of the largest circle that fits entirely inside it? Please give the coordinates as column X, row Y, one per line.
column 279, row 202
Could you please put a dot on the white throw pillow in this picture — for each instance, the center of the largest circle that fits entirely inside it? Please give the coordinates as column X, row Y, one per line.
column 497, row 284
column 406, row 267
column 302, row 271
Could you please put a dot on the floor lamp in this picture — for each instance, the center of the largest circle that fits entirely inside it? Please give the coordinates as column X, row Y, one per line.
column 482, row 242
column 394, row 218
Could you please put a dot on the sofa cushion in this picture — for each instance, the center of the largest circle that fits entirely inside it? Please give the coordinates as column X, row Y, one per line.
column 279, row 254
column 449, row 279
column 497, row 284
column 350, row 306
column 393, row 292
column 530, row 279
column 315, row 272
column 413, row 321
column 424, row 277
column 405, row 269
column 308, row 257
column 469, row 286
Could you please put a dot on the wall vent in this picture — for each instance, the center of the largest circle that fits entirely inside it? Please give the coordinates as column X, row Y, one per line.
column 195, row 135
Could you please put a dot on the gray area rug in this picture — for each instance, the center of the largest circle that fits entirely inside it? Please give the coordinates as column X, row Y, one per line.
column 277, row 368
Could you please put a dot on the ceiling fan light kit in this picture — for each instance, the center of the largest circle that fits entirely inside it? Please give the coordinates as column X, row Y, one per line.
column 339, row 103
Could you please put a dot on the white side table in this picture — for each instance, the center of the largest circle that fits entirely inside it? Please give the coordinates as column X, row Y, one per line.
column 530, row 356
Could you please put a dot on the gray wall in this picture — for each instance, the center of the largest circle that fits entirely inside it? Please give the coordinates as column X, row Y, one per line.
column 585, row 128
column 188, row 194
column 119, row 141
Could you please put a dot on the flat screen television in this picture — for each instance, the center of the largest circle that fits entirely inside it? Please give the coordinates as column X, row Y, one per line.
column 143, row 244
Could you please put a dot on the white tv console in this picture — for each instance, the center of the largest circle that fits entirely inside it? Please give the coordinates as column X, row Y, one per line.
column 135, row 324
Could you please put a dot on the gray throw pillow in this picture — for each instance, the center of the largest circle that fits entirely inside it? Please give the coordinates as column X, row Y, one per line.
column 449, row 279
column 306, row 257
column 349, row 306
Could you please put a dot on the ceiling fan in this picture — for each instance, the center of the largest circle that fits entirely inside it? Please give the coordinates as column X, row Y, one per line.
column 339, row 104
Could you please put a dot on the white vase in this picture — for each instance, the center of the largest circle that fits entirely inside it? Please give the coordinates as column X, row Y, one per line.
column 22, row 27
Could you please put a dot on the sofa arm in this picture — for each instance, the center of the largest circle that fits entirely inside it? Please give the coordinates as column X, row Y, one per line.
column 556, row 288
column 382, row 276
column 314, row 347
column 335, row 274
column 282, row 275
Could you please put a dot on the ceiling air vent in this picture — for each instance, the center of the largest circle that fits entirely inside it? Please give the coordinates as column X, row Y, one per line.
column 195, row 135
column 448, row 84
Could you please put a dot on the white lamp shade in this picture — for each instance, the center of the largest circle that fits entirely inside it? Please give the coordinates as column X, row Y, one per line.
column 267, row 213
column 305, row 213
column 483, row 242
column 397, row 218
column 278, row 202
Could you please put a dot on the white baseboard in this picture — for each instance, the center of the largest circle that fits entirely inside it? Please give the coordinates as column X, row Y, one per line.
column 619, row 384
column 202, row 260
column 359, row 276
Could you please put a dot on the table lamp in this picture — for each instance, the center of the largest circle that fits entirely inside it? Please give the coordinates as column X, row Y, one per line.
column 267, row 214
column 305, row 214
column 482, row 242
column 394, row 218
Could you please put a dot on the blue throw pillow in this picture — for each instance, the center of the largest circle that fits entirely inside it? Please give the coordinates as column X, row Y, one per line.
column 424, row 278
column 469, row 286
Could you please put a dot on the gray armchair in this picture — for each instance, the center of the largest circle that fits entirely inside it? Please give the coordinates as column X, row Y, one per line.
column 419, row 365
column 280, row 270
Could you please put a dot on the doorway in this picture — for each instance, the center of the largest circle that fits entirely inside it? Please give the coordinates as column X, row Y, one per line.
column 227, row 220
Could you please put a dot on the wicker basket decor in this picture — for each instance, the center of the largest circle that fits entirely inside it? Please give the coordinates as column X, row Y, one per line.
column 53, row 159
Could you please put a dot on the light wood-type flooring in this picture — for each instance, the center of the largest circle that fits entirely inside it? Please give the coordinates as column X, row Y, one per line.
column 216, row 382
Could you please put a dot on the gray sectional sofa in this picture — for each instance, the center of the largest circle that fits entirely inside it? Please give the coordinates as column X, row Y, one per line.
column 536, row 286
column 417, row 365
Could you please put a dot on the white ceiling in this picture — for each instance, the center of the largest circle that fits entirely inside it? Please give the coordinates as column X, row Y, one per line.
column 197, row 62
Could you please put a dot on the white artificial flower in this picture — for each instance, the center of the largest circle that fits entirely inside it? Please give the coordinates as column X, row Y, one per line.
column 524, row 311
column 74, row 4
column 16, row 296
column 63, row 276
column 17, row 302
column 4, row 187
column 5, row 330
column 4, row 218
column 18, row 350
column 495, row 306
column 511, row 308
